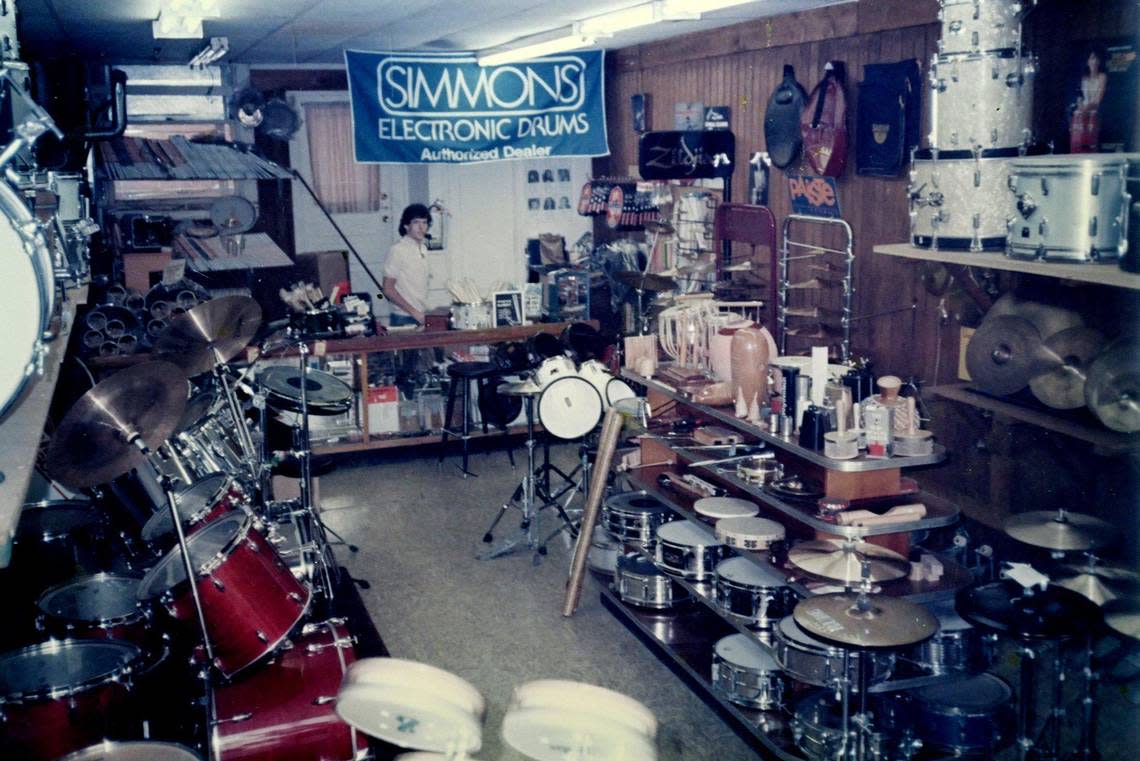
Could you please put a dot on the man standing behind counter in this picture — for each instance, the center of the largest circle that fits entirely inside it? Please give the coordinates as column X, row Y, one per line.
column 406, row 268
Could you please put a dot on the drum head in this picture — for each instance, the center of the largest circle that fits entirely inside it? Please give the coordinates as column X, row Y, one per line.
column 191, row 502
column 398, row 672
column 409, row 717
column 325, row 394
column 978, row 694
column 745, row 652
column 583, row 341
column 637, row 502
column 617, row 390
column 569, row 408
column 753, row 529
column 50, row 521
column 544, row 734
column 98, row 598
column 212, row 541
column 109, row 750
column 587, row 698
column 745, row 572
column 687, row 533
column 61, row 667
column 725, row 507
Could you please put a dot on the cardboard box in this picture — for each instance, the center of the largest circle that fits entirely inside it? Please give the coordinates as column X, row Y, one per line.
column 383, row 409
column 325, row 269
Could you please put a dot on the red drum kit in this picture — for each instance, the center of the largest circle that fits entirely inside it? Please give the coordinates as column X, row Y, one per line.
column 209, row 590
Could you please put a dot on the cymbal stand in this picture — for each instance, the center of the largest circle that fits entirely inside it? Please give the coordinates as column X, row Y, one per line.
column 528, row 528
column 245, row 438
column 1026, row 713
column 1086, row 746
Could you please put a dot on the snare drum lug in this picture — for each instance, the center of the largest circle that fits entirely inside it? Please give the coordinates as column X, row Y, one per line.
column 1026, row 205
column 1092, row 227
column 261, row 636
column 235, row 718
column 253, row 546
column 295, row 597
column 1044, row 186
column 324, row 700
column 218, row 584
column 974, row 39
column 1094, row 185
column 1043, row 228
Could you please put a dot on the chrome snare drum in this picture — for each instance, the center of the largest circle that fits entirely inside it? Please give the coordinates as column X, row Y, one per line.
column 749, row 533
column 1070, row 208
column 752, row 594
column 746, row 673
column 970, row 717
column 979, row 26
column 639, row 582
column 819, row 722
column 634, row 517
column 957, row 647
column 687, row 549
column 812, row 661
column 981, row 101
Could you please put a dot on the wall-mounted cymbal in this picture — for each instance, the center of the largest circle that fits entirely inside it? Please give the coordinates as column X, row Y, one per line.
column 1060, row 530
column 842, row 561
column 1070, row 352
column 1004, row 354
column 1112, row 388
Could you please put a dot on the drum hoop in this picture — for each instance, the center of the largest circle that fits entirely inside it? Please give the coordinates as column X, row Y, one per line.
column 586, row 384
column 56, row 693
column 138, row 614
column 745, row 587
column 54, row 536
column 210, row 564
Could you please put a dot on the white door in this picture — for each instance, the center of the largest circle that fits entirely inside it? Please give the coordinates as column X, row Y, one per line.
column 368, row 218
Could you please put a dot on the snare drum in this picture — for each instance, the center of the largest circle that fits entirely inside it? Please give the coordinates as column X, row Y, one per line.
column 687, row 549
column 1069, row 208
column 752, row 595
column 811, row 661
column 249, row 598
column 638, row 582
column 604, row 552
column 100, row 606
column 569, row 407
column 981, row 101
column 553, row 368
column 133, row 751
column 63, row 695
column 634, row 517
column 285, row 710
column 979, row 26
column 957, row 647
column 749, row 533
column 760, row 471
column 747, row 674
column 198, row 504
column 818, row 729
column 970, row 717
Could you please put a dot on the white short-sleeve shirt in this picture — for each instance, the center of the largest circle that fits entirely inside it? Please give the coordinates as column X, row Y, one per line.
column 407, row 264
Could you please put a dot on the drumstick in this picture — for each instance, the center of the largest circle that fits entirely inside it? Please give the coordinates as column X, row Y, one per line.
column 607, row 444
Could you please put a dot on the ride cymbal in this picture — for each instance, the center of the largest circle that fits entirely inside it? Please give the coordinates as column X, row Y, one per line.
column 1071, row 352
column 210, row 334
column 96, row 440
column 863, row 620
column 843, row 561
column 1060, row 530
column 1123, row 617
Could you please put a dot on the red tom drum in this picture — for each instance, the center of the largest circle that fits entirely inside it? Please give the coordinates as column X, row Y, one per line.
column 198, row 504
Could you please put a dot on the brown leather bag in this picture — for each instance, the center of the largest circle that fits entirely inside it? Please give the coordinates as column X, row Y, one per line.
column 823, row 123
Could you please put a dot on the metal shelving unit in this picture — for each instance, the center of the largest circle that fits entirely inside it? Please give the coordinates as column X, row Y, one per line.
column 813, row 251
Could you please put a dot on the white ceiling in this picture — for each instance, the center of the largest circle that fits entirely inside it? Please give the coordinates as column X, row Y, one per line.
column 318, row 31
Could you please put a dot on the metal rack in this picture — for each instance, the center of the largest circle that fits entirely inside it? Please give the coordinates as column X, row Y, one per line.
column 815, row 251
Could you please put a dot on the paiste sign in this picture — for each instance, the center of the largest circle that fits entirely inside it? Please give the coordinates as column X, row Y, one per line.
column 446, row 108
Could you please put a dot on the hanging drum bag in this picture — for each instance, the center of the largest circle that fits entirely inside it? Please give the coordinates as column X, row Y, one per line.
column 888, row 119
column 823, row 123
column 782, row 120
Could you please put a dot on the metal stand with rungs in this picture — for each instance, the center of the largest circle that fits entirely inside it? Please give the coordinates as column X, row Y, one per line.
column 823, row 278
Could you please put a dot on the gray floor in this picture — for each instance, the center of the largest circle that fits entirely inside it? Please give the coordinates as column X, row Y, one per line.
column 496, row 623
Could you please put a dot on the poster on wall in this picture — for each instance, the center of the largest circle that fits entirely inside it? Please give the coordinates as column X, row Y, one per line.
column 444, row 108
column 1103, row 81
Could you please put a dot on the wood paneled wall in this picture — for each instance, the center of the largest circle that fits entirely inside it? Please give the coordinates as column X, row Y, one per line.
column 740, row 66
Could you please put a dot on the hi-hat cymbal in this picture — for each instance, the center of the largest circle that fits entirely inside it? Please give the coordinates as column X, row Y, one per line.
column 1060, row 530
column 1062, row 386
column 836, row 559
column 862, row 620
column 95, row 442
column 659, row 227
column 645, row 282
column 1112, row 389
column 1123, row 617
column 210, row 334
column 1004, row 606
column 1004, row 353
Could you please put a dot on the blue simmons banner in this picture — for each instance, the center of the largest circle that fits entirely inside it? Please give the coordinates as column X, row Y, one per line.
column 444, row 108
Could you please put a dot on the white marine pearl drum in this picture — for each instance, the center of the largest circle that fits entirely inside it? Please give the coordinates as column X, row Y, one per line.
column 747, row 674
column 979, row 26
column 609, row 388
column 1070, row 208
column 959, row 200
column 553, row 368
column 981, row 101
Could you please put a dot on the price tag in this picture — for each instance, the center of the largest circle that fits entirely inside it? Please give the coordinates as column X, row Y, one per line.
column 174, row 272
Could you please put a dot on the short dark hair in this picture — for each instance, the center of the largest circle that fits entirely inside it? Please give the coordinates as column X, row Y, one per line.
column 414, row 211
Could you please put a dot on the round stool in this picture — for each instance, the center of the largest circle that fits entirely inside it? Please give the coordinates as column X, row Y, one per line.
column 461, row 374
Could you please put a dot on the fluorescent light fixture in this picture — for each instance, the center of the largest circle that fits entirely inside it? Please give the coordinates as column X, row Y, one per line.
column 626, row 18
column 217, row 48
column 572, row 41
column 679, row 8
column 168, row 27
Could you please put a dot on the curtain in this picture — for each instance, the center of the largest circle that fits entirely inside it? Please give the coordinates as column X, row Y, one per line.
column 344, row 186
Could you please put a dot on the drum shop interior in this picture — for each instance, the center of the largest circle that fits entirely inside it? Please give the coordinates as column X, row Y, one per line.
column 614, row 380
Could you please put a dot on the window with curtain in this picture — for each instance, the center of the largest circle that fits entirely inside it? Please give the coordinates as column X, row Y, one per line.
column 344, row 186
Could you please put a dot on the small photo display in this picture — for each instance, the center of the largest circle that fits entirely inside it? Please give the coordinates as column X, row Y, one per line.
column 548, row 175
column 533, row 204
column 548, row 204
column 639, row 109
column 508, row 308
column 532, row 175
column 563, row 174
column 564, row 202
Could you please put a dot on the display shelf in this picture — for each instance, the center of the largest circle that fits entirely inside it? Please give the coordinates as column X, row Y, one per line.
column 393, row 441
column 685, row 640
column 860, row 464
column 1100, row 274
column 1108, row 441
column 136, row 158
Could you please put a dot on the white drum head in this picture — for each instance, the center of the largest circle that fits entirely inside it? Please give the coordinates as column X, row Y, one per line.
column 569, row 407
column 26, row 306
column 746, row 573
column 399, row 672
column 109, row 750
column 409, row 717
column 745, row 652
column 617, row 389
column 726, row 507
column 750, row 529
column 553, row 368
column 686, row 533
column 586, row 698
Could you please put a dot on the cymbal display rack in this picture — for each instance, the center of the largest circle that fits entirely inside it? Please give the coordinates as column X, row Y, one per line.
column 817, row 254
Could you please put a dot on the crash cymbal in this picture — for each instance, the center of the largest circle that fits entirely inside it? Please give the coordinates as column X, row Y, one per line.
column 95, row 441
column 1107, row 572
column 645, row 282
column 1005, row 607
column 1004, row 353
column 1070, row 353
column 1088, row 586
column 843, row 561
column 1047, row 318
column 863, row 620
column 1060, row 530
column 210, row 334
column 1112, row 389
column 659, row 227
column 1123, row 617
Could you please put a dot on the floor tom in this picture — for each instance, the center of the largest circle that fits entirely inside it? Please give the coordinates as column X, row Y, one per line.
column 963, row 718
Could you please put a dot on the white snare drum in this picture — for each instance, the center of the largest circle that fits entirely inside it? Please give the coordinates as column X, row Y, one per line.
column 957, row 647
column 638, row 582
column 752, row 594
column 569, row 407
column 27, row 307
column 979, row 26
column 725, row 507
column 969, row 717
column 749, row 533
column 634, row 517
column 812, row 661
column 747, row 674
column 687, row 549
column 553, row 368
column 1070, row 208
column 981, row 101
column 609, row 388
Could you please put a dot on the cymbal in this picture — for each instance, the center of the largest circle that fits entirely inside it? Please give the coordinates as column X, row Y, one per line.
column 1004, row 353
column 197, row 408
column 659, row 227
column 648, row 282
column 1071, row 351
column 1003, row 606
column 1112, row 389
column 1107, row 572
column 836, row 559
column 863, row 620
column 95, row 441
column 1060, row 530
column 1123, row 617
column 209, row 334
column 1089, row 586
